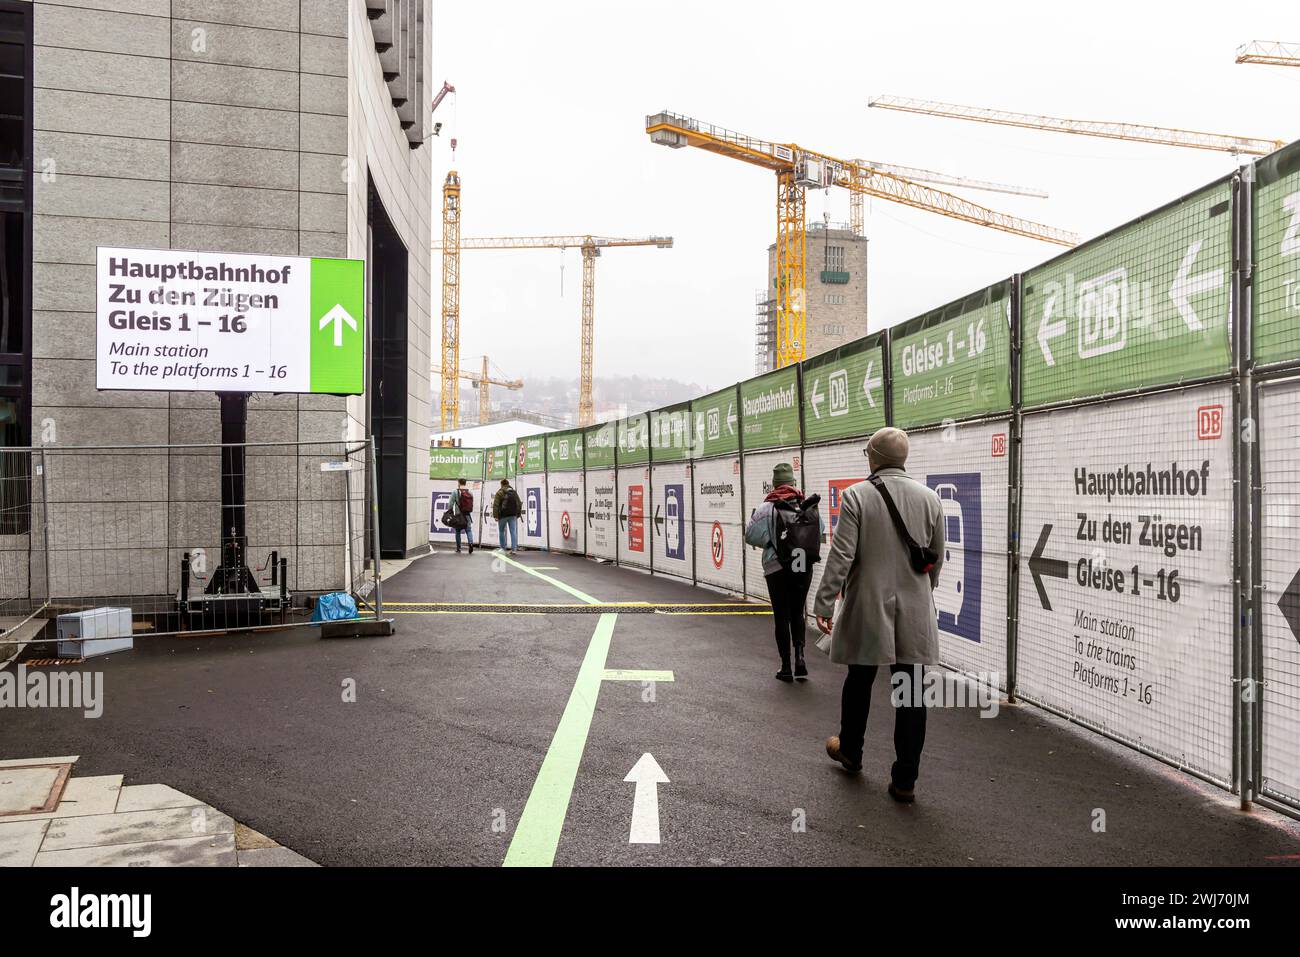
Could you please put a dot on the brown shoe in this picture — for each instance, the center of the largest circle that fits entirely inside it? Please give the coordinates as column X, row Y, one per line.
column 833, row 749
column 902, row 796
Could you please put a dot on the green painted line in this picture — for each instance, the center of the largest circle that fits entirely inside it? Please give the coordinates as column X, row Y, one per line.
column 628, row 674
column 538, row 833
column 581, row 596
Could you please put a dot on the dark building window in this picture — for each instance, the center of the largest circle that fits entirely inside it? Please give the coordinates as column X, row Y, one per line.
column 15, row 264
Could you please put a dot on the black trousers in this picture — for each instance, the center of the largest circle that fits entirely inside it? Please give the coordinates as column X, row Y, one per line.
column 788, row 592
column 909, row 719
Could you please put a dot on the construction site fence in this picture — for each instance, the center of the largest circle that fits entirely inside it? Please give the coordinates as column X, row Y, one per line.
column 141, row 527
column 1114, row 436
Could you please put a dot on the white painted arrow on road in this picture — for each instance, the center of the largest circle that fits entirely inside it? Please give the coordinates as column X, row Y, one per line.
column 817, row 398
column 869, row 383
column 645, row 803
column 338, row 315
column 1047, row 331
column 1186, row 285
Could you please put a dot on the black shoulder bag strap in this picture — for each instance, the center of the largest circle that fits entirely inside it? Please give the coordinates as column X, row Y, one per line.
column 921, row 557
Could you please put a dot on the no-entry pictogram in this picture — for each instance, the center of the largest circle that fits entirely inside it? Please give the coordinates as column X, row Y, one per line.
column 566, row 525
column 716, row 547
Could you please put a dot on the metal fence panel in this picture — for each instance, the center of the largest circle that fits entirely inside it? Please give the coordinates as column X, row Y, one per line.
column 22, row 534
column 565, row 505
column 634, row 516
column 1127, row 578
column 717, row 516
column 1279, row 592
column 602, row 513
column 671, row 519
column 967, row 467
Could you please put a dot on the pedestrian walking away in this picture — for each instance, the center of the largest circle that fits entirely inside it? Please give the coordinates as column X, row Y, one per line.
column 789, row 529
column 884, row 560
column 462, row 505
column 506, row 509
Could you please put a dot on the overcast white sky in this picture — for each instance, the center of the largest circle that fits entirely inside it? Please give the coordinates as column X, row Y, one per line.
column 550, row 114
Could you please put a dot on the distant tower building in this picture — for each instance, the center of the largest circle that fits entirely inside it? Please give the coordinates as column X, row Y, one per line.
column 836, row 290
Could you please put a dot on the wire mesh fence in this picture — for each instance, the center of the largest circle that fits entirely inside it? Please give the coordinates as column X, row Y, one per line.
column 190, row 537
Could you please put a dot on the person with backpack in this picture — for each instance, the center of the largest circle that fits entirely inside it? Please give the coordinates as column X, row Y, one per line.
column 506, row 509
column 790, row 530
column 884, row 559
column 462, row 506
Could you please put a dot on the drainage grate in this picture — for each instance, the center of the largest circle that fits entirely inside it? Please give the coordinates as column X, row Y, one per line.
column 600, row 608
column 46, row 662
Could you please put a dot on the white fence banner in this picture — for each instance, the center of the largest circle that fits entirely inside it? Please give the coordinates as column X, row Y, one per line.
column 671, row 519
column 565, row 519
column 758, row 482
column 719, row 532
column 967, row 466
column 634, row 516
column 1126, row 577
column 532, row 495
column 827, row 471
column 601, row 516
column 1279, row 529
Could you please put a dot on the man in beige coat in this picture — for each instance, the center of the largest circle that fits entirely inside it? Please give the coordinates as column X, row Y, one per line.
column 887, row 615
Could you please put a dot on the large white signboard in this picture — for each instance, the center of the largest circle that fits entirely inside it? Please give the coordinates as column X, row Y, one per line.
column 564, row 511
column 758, row 482
column 719, row 533
column 1279, row 450
column 228, row 322
column 671, row 519
column 601, row 514
column 967, row 466
column 634, row 516
column 1126, row 575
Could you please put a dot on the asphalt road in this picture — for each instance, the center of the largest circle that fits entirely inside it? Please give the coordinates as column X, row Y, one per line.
column 435, row 760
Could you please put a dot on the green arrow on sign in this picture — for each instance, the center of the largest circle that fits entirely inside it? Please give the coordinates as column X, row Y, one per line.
column 337, row 326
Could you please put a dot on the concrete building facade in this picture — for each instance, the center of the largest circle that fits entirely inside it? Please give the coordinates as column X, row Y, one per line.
column 836, row 275
column 289, row 127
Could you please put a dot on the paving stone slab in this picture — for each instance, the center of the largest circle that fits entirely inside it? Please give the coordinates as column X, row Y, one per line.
column 152, row 797
column 20, row 841
column 215, row 850
column 25, row 789
column 81, row 797
column 136, row 827
column 273, row 857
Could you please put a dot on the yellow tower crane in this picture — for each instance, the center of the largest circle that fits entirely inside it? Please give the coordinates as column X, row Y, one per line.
column 857, row 223
column 481, row 381
column 1269, row 52
column 591, row 247
column 1134, row 132
column 798, row 169
column 450, row 395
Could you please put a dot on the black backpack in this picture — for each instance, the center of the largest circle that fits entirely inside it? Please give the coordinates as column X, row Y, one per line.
column 797, row 529
column 510, row 504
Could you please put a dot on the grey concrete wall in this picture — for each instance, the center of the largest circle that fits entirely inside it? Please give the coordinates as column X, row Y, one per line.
column 241, row 126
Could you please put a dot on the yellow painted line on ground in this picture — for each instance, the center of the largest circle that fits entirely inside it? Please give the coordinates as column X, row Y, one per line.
column 632, row 674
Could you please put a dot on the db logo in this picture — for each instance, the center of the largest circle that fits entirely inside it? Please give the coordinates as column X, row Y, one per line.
column 715, row 545
column 1209, row 422
column 999, row 445
column 566, row 525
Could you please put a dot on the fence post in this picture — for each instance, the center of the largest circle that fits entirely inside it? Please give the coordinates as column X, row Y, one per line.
column 374, row 524
column 1014, row 496
column 45, row 532
column 1246, row 708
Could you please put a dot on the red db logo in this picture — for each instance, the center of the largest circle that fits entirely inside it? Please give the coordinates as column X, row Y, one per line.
column 999, row 445
column 1209, row 422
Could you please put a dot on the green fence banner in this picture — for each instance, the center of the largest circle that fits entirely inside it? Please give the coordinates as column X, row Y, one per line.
column 715, row 426
column 844, row 391
column 598, row 444
column 531, row 454
column 564, row 451
column 1277, row 256
column 1145, row 305
column 449, row 463
column 634, row 440
column 954, row 362
column 499, row 462
column 670, row 433
column 769, row 409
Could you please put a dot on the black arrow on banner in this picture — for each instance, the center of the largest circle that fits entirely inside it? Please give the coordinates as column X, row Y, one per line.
column 1040, row 566
column 1289, row 605
column 659, row 519
column 590, row 512
column 622, row 516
